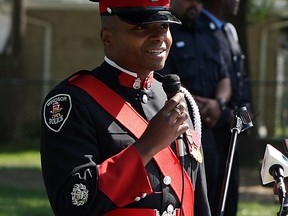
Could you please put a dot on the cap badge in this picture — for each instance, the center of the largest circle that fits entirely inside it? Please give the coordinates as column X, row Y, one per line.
column 109, row 10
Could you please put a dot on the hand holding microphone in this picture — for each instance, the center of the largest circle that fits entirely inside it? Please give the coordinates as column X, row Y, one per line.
column 164, row 128
column 171, row 85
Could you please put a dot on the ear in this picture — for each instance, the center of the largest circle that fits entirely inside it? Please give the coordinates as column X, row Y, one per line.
column 106, row 37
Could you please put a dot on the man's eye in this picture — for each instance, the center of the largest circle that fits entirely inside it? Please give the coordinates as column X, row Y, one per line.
column 165, row 26
column 140, row 27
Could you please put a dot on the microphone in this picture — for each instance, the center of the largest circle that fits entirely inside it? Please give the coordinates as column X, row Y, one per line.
column 274, row 165
column 171, row 85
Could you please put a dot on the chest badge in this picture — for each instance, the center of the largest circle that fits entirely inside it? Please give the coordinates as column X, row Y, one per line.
column 194, row 145
column 196, row 153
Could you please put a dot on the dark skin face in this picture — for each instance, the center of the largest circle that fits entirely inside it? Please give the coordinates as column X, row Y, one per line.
column 137, row 48
column 185, row 10
column 221, row 8
column 142, row 49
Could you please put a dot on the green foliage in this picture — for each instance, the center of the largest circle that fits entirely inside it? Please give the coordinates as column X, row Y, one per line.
column 22, row 145
column 28, row 159
column 23, row 202
column 257, row 209
column 24, row 154
column 259, row 10
column 22, row 189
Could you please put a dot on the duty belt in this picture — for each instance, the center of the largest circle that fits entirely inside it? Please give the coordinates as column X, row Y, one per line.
column 143, row 212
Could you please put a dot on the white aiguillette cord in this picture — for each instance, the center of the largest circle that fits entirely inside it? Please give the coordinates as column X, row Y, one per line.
column 196, row 113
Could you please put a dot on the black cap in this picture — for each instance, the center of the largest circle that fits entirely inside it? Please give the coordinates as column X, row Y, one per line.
column 138, row 11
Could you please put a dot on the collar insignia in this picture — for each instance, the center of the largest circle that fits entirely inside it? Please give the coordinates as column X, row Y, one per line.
column 135, row 83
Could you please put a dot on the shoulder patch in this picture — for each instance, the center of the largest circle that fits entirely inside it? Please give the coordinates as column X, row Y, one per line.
column 56, row 111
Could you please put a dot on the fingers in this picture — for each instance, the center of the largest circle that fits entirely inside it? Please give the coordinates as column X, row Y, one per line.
column 172, row 102
column 164, row 127
column 178, row 113
column 207, row 119
column 178, row 117
column 199, row 99
column 209, row 122
column 177, row 110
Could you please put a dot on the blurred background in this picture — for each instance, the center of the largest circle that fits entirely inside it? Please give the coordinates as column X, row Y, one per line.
column 44, row 41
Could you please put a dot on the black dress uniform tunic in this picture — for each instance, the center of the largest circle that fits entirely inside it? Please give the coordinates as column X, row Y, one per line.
column 78, row 135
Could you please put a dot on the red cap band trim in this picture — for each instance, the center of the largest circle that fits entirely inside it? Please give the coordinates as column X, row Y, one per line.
column 104, row 5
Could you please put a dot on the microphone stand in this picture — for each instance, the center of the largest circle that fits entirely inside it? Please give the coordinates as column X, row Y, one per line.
column 278, row 174
column 241, row 122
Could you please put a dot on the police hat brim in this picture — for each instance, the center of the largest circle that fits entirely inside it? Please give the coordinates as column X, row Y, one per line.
column 141, row 15
column 148, row 18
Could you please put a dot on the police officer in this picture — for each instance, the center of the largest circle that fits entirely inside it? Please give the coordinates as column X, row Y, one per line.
column 195, row 56
column 226, row 35
column 108, row 135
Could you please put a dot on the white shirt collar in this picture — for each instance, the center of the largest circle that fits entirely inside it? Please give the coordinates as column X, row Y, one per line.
column 113, row 64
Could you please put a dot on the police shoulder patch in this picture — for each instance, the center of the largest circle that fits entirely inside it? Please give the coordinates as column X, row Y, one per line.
column 56, row 111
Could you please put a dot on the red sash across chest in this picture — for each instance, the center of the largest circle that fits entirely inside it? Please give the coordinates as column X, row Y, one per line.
column 118, row 108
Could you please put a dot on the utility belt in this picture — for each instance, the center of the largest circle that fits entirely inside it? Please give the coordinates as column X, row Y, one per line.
column 143, row 212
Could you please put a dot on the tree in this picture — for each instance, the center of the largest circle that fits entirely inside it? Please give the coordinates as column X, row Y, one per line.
column 10, row 66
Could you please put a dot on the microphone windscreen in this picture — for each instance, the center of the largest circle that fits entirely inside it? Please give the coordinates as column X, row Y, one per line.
column 171, row 84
